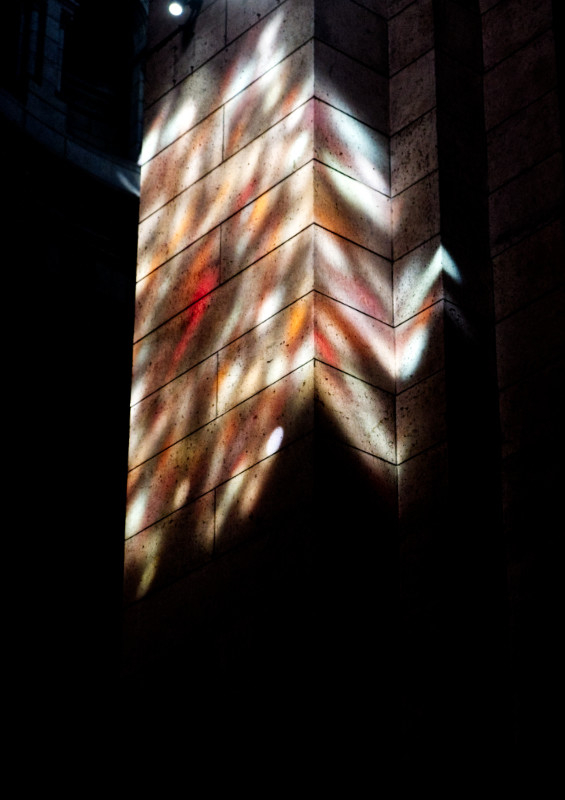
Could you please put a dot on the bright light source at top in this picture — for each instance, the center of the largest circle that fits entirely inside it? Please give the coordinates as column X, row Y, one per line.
column 176, row 9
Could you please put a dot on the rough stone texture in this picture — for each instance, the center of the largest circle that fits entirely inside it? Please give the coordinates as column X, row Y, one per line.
column 413, row 153
column 266, row 353
column 353, row 275
column 523, row 140
column 412, row 92
column 270, row 98
column 415, row 215
column 529, row 269
column 421, row 420
column 174, row 411
column 418, row 279
column 177, row 284
column 510, row 25
column 351, row 87
column 410, row 35
column 354, row 343
column 520, row 79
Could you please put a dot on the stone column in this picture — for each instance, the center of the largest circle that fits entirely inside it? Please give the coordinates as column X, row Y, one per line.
column 262, row 484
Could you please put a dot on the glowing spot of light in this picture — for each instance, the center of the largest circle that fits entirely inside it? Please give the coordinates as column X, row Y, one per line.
column 274, row 441
column 176, row 9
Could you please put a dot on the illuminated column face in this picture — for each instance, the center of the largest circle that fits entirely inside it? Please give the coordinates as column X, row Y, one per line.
column 264, row 296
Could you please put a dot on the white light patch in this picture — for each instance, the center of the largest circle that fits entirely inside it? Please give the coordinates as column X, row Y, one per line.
column 449, row 266
column 413, row 352
column 176, row 9
column 268, row 307
column 274, row 441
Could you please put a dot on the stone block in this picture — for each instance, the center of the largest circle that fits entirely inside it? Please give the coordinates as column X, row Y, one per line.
column 221, row 317
column 419, row 346
column 243, row 14
column 529, row 269
column 268, row 222
column 264, row 496
column 511, row 24
column 526, row 138
column 239, row 180
column 415, row 215
column 531, row 338
column 530, row 200
column 421, row 417
column 169, row 549
column 350, row 146
column 265, row 354
column 269, row 99
column 354, row 343
column 355, row 412
column 351, row 210
column 228, row 445
column 423, row 487
column 353, row 30
column 172, row 412
column 353, row 275
column 418, row 279
column 172, row 287
column 520, row 79
column 412, row 92
column 349, row 86
column 396, row 6
column 180, row 164
column 413, row 153
column 411, row 34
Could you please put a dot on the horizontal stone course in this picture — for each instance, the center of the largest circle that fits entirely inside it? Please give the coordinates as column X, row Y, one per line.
column 529, row 269
column 529, row 136
column 415, row 215
column 354, row 342
column 266, row 353
column 171, row 413
column 421, row 417
column 267, row 160
column 229, row 311
column 355, row 412
column 225, row 447
column 510, row 24
column 351, row 210
column 520, row 79
column 419, row 344
column 177, row 284
column 227, row 74
column 169, row 549
column 413, row 152
column 353, row 275
column 353, row 30
column 271, row 97
column 182, row 163
column 351, row 87
column 528, row 201
column 412, row 92
column 411, row 34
